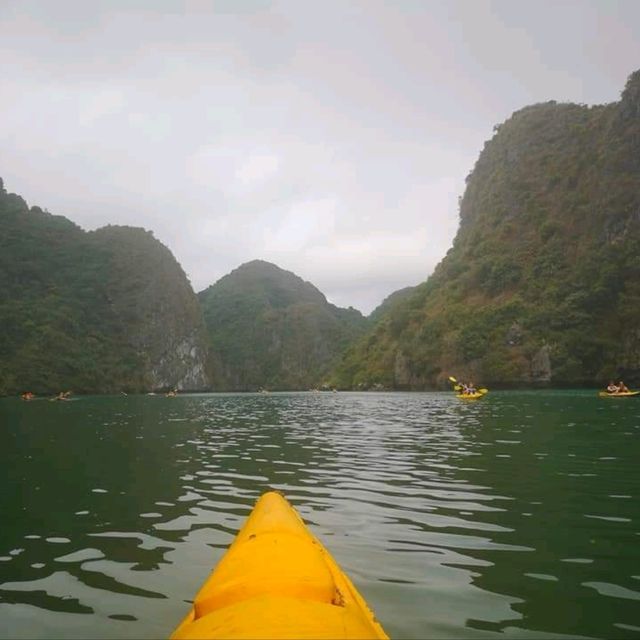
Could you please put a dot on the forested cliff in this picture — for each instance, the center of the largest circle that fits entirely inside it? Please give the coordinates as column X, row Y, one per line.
column 269, row 328
column 542, row 284
column 103, row 311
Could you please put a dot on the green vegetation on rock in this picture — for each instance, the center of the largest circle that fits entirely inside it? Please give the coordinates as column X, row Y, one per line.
column 389, row 303
column 103, row 311
column 542, row 284
column 270, row 329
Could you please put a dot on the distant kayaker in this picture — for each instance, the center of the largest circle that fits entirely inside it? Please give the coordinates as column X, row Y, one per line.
column 612, row 387
column 622, row 387
column 467, row 389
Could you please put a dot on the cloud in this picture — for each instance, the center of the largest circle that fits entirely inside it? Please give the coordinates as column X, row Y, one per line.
column 331, row 138
column 256, row 169
column 304, row 225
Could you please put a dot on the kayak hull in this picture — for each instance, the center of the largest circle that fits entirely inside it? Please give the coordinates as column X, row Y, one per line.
column 623, row 394
column 469, row 396
column 276, row 580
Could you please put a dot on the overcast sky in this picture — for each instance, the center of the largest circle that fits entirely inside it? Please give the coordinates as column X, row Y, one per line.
column 330, row 137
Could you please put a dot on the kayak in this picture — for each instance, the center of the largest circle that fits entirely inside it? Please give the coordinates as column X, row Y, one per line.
column 469, row 396
column 620, row 394
column 276, row 580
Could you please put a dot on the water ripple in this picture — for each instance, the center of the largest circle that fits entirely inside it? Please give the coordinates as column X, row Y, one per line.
column 512, row 516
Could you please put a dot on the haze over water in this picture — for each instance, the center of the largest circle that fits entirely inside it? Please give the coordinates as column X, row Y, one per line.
column 517, row 515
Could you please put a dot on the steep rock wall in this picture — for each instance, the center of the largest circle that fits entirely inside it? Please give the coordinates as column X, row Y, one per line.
column 540, row 285
column 104, row 311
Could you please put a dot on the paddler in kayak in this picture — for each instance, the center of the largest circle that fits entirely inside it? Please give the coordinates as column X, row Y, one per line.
column 612, row 387
column 622, row 387
column 468, row 389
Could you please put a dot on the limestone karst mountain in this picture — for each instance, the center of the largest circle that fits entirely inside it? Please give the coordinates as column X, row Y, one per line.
column 101, row 311
column 269, row 328
column 542, row 284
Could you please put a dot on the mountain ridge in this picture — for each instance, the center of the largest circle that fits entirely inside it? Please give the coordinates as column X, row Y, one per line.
column 100, row 311
column 270, row 328
column 539, row 285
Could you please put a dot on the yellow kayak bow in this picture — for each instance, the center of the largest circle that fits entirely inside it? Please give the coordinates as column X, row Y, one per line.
column 276, row 580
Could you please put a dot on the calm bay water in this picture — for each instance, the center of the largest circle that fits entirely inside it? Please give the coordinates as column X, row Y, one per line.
column 517, row 515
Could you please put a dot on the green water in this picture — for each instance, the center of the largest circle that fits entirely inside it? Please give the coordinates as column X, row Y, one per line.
column 514, row 516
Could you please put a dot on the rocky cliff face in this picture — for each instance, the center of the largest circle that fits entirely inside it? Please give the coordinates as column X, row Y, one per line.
column 541, row 284
column 269, row 328
column 104, row 311
column 161, row 318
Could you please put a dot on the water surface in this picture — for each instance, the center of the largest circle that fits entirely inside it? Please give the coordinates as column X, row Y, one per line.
column 517, row 515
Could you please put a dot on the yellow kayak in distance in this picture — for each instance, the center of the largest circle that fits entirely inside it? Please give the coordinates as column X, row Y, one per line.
column 620, row 394
column 277, row 580
column 470, row 396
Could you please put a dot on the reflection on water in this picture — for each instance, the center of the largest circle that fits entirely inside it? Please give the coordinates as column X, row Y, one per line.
column 515, row 515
